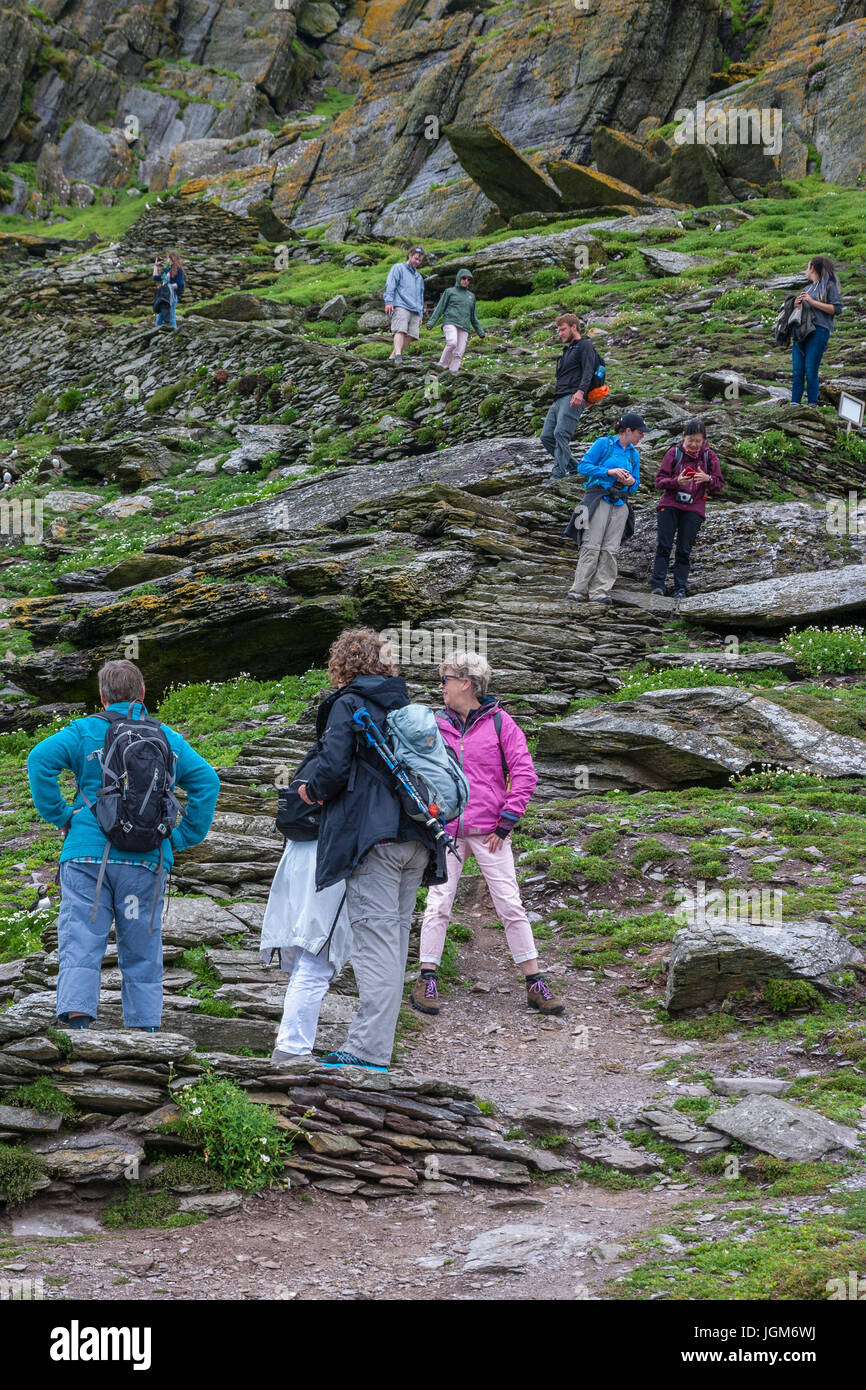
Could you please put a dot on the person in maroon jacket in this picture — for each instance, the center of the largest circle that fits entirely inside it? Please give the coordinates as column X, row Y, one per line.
column 688, row 474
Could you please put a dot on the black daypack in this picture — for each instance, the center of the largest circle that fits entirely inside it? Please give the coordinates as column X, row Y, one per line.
column 135, row 808
column 295, row 819
column 162, row 299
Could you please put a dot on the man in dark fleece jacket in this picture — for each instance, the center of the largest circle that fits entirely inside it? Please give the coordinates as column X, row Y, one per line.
column 367, row 839
column 574, row 372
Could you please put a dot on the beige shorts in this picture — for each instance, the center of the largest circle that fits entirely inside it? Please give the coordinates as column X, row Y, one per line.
column 404, row 321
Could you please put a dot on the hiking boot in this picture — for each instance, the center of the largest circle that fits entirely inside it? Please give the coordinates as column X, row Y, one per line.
column 656, row 590
column 577, row 598
column 540, row 996
column 603, row 599
column 680, row 593
column 67, row 1023
column 347, row 1059
column 425, row 993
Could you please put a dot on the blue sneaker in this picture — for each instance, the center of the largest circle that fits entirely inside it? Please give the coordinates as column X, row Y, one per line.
column 347, row 1059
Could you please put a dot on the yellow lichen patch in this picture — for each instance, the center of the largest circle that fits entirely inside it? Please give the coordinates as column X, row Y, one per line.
column 581, row 186
column 793, row 21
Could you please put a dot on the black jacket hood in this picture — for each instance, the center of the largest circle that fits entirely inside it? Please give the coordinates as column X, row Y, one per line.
column 389, row 692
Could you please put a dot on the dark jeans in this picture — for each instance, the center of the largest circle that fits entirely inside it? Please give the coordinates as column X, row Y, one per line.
column 682, row 526
column 805, row 361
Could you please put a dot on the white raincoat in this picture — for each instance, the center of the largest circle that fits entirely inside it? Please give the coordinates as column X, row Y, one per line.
column 298, row 915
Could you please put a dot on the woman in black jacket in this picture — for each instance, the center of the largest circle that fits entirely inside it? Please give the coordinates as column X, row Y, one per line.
column 367, row 838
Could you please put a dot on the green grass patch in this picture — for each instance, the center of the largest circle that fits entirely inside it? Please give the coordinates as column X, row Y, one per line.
column 140, row 1209
column 206, row 711
column 20, row 1171
column 43, row 1095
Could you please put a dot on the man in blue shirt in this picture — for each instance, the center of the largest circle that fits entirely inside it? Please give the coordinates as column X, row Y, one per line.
column 611, row 467
column 404, row 302
column 132, row 887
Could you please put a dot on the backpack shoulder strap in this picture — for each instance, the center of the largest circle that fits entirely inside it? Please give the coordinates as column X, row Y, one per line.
column 497, row 724
column 678, row 456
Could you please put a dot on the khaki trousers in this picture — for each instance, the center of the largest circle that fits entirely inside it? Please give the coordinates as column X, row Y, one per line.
column 596, row 570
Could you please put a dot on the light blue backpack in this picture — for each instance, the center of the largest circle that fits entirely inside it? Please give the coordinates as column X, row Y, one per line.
column 417, row 741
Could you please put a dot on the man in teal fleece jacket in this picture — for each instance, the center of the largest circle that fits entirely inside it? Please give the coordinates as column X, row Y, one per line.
column 133, row 885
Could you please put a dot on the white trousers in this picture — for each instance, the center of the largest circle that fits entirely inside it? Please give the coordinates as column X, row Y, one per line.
column 455, row 346
column 306, row 990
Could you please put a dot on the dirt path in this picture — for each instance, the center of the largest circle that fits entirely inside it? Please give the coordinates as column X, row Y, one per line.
column 312, row 1245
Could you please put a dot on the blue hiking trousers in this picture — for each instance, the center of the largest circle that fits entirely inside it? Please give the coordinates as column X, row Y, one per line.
column 127, row 899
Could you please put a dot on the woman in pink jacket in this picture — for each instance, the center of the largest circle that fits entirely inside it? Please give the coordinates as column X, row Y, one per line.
column 492, row 752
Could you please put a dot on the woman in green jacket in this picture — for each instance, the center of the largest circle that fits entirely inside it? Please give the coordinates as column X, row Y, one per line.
column 456, row 308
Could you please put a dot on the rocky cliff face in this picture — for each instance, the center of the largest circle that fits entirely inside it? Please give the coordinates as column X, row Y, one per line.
column 221, row 94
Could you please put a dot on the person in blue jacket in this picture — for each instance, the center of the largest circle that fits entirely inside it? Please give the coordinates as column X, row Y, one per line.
column 611, row 467
column 404, row 302
column 133, row 885
column 171, row 275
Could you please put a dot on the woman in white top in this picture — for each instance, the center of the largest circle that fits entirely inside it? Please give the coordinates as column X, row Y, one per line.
column 310, row 930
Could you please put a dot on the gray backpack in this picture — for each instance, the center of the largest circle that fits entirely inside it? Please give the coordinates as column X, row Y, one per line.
column 417, row 740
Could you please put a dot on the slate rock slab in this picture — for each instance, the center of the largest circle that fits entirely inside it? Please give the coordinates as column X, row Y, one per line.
column 501, row 171
column 210, row 1203
column 622, row 1157
column 23, row 1121
column 510, row 1249
column 479, row 1169
column 95, row 1044
column 540, row 1117
column 751, row 1085
column 32, row 1049
column 31, row 1015
column 665, row 263
column 726, row 661
column 776, row 603
column 114, row 1096
column 99, row 1155
column 708, row 961
column 668, row 738
column 786, row 1131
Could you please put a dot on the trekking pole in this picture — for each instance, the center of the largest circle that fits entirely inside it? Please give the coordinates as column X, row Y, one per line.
column 433, row 818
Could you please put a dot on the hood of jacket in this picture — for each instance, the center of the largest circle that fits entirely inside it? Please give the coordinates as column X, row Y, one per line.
column 459, row 277
column 388, row 692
